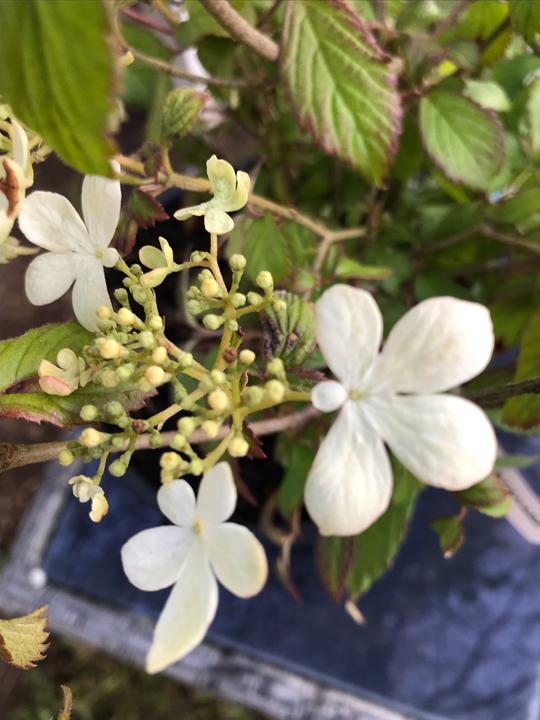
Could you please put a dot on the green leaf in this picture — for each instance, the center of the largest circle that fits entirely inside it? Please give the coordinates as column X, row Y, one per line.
column 525, row 16
column 289, row 333
column 348, row 268
column 490, row 497
column 409, row 155
column 265, row 249
column 377, row 546
column 182, row 108
column 334, row 556
column 23, row 640
column 430, row 284
column 481, row 19
column 57, row 71
column 450, row 532
column 291, row 490
column 533, row 117
column 518, row 208
column 341, row 85
column 524, row 411
column 201, row 23
column 139, row 81
column 515, row 461
column 20, row 357
column 488, row 94
column 464, row 140
column 509, row 319
column 144, row 209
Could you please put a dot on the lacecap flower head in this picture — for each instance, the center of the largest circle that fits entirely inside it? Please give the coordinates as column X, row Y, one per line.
column 230, row 194
column 198, row 548
column 78, row 251
column 390, row 397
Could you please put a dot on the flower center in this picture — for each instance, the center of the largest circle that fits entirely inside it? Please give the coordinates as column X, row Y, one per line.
column 197, row 527
column 99, row 253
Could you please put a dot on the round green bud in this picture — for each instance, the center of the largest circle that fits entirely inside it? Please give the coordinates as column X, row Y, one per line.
column 96, row 452
column 265, row 280
column 109, row 379
column 238, row 447
column 212, row 322
column 188, row 403
column 187, row 425
column 124, row 372
column 205, row 274
column 185, row 360
column 196, row 467
column 279, row 305
column 155, row 441
column 178, row 442
column 104, row 313
column 180, row 392
column 87, row 458
column 147, row 340
column 155, row 323
column 136, row 269
column 247, row 357
column 66, row 457
column 122, row 421
column 232, row 325
column 105, row 325
column 194, row 307
column 170, row 461
column 114, row 409
column 196, row 257
column 254, row 298
column 126, row 318
column 140, row 297
column 275, row 367
column 238, row 300
column 275, row 391
column 218, row 377
column 118, row 468
column 89, row 413
column 121, row 294
column 237, row 262
column 206, row 384
column 253, row 395
column 127, row 282
column 118, row 442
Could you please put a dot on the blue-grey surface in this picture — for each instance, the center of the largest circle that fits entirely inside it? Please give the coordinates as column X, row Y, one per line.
column 459, row 638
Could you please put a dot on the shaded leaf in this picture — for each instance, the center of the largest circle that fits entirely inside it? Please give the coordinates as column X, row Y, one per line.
column 450, row 532
column 524, row 411
column 201, row 23
column 23, row 640
column 342, row 86
column 144, row 209
column 125, row 235
column 525, row 16
column 515, row 461
column 480, row 20
column 48, row 79
column 289, row 333
column 533, row 117
column 464, row 140
column 489, row 493
column 291, row 490
column 348, row 268
column 334, row 557
column 182, row 107
column 65, row 712
column 255, row 444
column 265, row 249
column 518, row 208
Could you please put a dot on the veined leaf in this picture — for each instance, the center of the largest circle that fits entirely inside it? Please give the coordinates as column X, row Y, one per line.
column 182, row 108
column 342, row 86
column 334, row 558
column 265, row 249
column 144, row 209
column 289, row 333
column 464, row 140
column 524, row 411
column 23, row 640
column 57, row 71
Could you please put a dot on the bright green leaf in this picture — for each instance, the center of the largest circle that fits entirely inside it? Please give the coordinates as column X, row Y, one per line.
column 348, row 268
column 342, row 86
column 291, row 490
column 525, row 16
column 479, row 22
column 265, row 249
column 450, row 532
column 182, row 108
column 515, row 461
column 334, row 557
column 23, row 640
column 488, row 94
column 138, row 80
column 57, row 71
column 465, row 141
column 524, row 411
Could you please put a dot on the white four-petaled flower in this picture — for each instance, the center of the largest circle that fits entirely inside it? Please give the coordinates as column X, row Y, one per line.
column 389, row 397
column 78, row 251
column 230, row 194
column 64, row 378
column 199, row 547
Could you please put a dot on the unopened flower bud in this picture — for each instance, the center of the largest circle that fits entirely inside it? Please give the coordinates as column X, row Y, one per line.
column 147, row 340
column 144, row 385
column 210, row 427
column 275, row 367
column 100, row 507
column 155, row 323
column 103, row 312
column 279, row 305
column 238, row 300
column 126, row 318
column 210, row 288
column 195, row 307
column 212, row 322
column 114, row 409
column 205, row 274
column 121, row 295
column 232, row 325
column 167, row 476
column 254, row 298
column 178, row 442
column 109, row 378
column 170, row 461
column 218, row 400
column 123, row 338
column 187, row 425
column 218, row 377
column 66, row 457
column 136, row 269
column 155, row 441
column 238, row 447
column 140, row 296
column 188, row 403
column 105, row 325
column 185, row 360
column 124, row 372
column 89, row 413
column 265, row 280
column 110, row 349
column 196, row 467
column 127, row 282
column 247, row 357
column 122, row 421
column 91, row 438
column 253, row 395
column 155, row 375
column 196, row 257
column 118, row 468
column 118, row 442
column 237, row 262
column 160, row 355
column 206, row 384
column 275, row 391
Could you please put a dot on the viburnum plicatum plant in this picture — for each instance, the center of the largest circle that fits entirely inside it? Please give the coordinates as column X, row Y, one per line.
column 351, row 309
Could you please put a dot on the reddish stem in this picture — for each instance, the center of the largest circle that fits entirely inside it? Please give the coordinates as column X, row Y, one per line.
column 143, row 20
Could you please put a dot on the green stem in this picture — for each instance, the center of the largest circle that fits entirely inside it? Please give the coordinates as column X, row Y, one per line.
column 215, row 455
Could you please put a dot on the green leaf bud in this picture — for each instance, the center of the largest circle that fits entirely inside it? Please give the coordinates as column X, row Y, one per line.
column 155, row 441
column 254, row 298
column 89, row 413
column 118, row 468
column 66, row 457
column 147, row 340
column 265, row 281
column 247, row 357
column 237, row 262
column 238, row 300
column 212, row 322
column 238, row 447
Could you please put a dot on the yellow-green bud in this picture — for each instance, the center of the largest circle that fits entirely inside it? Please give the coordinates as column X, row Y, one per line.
column 279, row 305
column 167, row 476
column 155, row 323
column 210, row 288
column 195, row 307
column 196, row 257
column 114, row 409
column 232, row 325
column 247, row 357
column 210, row 427
column 109, row 378
column 155, row 441
column 254, row 298
column 185, row 360
column 218, row 377
column 265, row 280
column 91, row 438
column 187, row 425
column 118, row 468
column 238, row 300
column 205, row 274
column 188, row 403
column 104, row 313
column 160, row 355
column 196, row 467
column 147, row 340
column 275, row 367
column 237, row 262
column 144, row 385
column 119, row 442
column 218, row 400
column 126, row 318
column 155, row 375
column 206, row 384
column 253, row 395
column 122, row 422
column 66, row 457
column 89, row 413
column 110, row 349
column 121, row 295
column 275, row 391
column 106, row 325
column 212, row 322
column 124, row 372
column 170, row 461
column 139, row 295
column 136, row 269
column 238, row 447
column 178, row 442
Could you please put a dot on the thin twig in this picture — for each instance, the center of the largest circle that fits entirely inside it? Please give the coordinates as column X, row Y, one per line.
column 241, row 30
column 450, row 19
column 496, row 396
column 486, row 231
column 12, row 456
column 495, row 34
column 269, row 14
column 148, row 22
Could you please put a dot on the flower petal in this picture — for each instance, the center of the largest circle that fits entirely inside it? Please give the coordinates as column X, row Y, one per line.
column 349, row 331
column 222, row 178
column 151, row 257
column 237, row 557
column 101, row 199
column 217, row 495
column 20, row 145
column 153, row 559
column 89, row 292
column 50, row 276
column 217, row 221
column 67, row 360
column 50, row 221
column 176, row 501
column 328, row 396
column 185, row 213
column 350, row 482
column 444, row 440
column 439, row 344
column 240, row 197
column 55, row 386
column 190, row 609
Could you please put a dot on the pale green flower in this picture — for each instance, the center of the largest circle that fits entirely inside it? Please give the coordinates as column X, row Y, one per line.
column 230, row 193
